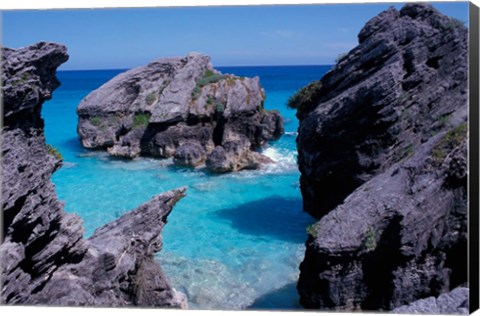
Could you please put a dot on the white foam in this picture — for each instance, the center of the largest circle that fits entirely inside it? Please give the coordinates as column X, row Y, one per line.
column 68, row 165
column 284, row 160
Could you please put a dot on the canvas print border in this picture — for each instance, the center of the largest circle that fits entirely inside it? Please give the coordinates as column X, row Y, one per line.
column 236, row 149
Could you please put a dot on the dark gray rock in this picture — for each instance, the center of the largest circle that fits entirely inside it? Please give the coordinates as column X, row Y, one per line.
column 399, row 237
column 190, row 155
column 119, row 267
column 161, row 107
column 454, row 302
column 382, row 154
column 402, row 84
column 234, row 155
column 44, row 257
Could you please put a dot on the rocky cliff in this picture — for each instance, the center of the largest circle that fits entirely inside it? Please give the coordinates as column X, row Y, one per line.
column 44, row 257
column 454, row 302
column 181, row 108
column 382, row 153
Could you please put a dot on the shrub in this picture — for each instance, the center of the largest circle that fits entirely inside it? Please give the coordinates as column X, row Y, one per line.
column 312, row 230
column 404, row 152
column 196, row 92
column 449, row 141
column 150, row 98
column 208, row 77
column 208, row 73
column 141, row 120
column 306, row 96
column 96, row 121
column 219, row 107
column 25, row 76
column 443, row 120
column 210, row 100
column 54, row 152
column 23, row 79
column 371, row 239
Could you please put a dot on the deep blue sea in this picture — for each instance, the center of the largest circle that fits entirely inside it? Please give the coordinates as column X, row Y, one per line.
column 236, row 240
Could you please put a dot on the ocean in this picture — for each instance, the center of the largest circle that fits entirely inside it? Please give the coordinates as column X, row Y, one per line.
column 236, row 240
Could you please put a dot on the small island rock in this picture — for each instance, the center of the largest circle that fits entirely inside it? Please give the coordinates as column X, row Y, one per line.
column 175, row 105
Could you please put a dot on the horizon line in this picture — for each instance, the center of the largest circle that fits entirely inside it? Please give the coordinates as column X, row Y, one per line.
column 242, row 66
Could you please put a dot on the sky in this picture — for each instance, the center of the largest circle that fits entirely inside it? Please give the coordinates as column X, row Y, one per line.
column 231, row 36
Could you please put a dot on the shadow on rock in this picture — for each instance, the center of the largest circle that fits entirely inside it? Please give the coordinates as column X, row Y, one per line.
column 275, row 216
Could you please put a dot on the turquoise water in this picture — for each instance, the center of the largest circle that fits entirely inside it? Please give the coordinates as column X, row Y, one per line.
column 236, row 240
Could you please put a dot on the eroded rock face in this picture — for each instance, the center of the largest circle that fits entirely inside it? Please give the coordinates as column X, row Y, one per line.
column 172, row 105
column 454, row 302
column 382, row 153
column 44, row 257
column 402, row 84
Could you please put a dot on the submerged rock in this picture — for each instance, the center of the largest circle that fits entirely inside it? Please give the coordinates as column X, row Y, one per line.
column 44, row 257
column 382, row 153
column 173, row 106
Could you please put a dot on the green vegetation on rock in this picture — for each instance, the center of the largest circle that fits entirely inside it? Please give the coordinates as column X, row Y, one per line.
column 305, row 97
column 219, row 107
column 212, row 102
column 23, row 79
column 141, row 120
column 371, row 239
column 150, row 98
column 404, row 152
column 54, row 152
column 443, row 120
column 449, row 141
column 208, row 77
column 312, row 230
column 96, row 121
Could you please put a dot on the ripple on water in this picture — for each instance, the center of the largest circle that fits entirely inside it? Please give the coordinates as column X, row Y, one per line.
column 208, row 284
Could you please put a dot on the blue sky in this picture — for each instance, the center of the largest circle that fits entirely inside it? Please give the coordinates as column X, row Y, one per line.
column 232, row 36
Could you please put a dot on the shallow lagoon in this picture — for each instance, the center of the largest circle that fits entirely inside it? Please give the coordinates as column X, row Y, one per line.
column 236, row 240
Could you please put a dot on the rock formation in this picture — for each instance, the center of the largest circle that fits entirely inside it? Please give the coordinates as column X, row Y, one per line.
column 382, row 152
column 44, row 257
column 181, row 108
column 454, row 302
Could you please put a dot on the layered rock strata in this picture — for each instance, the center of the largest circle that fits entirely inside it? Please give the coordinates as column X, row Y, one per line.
column 382, row 152
column 181, row 108
column 454, row 302
column 44, row 257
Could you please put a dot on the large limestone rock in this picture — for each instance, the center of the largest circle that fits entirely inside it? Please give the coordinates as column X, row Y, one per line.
column 44, row 257
column 382, row 152
column 173, row 105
